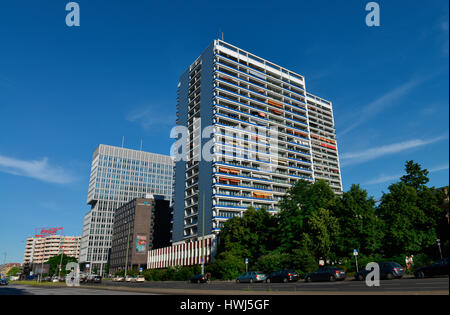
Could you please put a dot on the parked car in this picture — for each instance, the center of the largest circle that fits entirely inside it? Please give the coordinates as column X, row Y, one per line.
column 3, row 281
column 55, row 279
column 130, row 279
column 438, row 268
column 95, row 279
column 251, row 276
column 326, row 274
column 200, row 278
column 118, row 279
column 282, row 276
column 388, row 270
column 140, row 279
column 83, row 278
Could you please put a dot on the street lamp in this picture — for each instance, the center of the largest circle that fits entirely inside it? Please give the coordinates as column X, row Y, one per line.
column 438, row 241
column 128, row 246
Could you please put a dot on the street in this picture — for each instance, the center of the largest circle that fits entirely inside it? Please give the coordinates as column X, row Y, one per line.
column 20, row 289
column 388, row 287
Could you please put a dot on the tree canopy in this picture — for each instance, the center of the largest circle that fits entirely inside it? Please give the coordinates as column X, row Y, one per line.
column 314, row 223
column 55, row 261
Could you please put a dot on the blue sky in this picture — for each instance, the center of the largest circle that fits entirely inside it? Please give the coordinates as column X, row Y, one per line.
column 65, row 90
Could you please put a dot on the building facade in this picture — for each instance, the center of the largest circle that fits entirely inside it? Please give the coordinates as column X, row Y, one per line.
column 140, row 225
column 253, row 132
column 40, row 249
column 118, row 175
column 183, row 254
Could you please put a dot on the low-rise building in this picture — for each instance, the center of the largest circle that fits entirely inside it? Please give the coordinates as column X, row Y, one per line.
column 183, row 254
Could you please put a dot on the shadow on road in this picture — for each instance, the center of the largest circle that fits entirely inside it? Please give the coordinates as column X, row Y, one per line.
column 12, row 291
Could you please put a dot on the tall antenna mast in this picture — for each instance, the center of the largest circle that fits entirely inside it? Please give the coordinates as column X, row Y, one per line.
column 123, row 139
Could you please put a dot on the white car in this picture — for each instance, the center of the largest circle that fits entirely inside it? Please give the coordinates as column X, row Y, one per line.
column 118, row 279
column 140, row 279
column 130, row 279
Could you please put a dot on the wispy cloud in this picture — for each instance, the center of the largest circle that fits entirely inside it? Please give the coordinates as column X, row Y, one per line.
column 37, row 169
column 149, row 117
column 389, row 178
column 381, row 103
column 439, row 168
column 442, row 28
column 376, row 152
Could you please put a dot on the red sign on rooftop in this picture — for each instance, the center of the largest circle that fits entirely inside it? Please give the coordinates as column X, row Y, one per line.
column 43, row 232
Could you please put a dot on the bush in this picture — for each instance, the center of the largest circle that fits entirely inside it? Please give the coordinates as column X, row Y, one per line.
column 132, row 272
column 176, row 273
column 153, row 274
column 303, row 262
column 119, row 273
column 227, row 266
column 272, row 262
column 184, row 273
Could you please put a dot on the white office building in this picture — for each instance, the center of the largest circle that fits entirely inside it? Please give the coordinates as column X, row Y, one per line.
column 118, row 175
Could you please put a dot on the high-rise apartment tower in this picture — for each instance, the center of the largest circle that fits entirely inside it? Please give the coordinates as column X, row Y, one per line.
column 253, row 131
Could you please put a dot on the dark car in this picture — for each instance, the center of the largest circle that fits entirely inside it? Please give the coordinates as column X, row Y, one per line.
column 83, row 278
column 200, row 278
column 326, row 274
column 438, row 268
column 282, row 276
column 3, row 281
column 388, row 270
column 94, row 279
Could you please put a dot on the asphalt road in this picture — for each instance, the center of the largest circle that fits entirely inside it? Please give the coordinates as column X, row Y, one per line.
column 20, row 289
column 400, row 286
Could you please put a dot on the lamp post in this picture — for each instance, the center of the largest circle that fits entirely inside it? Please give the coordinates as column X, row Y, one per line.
column 128, row 246
column 61, row 253
column 438, row 241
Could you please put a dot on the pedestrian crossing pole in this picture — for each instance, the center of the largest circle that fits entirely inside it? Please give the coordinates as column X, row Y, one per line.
column 355, row 253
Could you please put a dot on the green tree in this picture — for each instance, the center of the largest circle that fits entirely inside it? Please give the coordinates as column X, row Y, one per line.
column 14, row 271
column 415, row 177
column 249, row 236
column 273, row 261
column 324, row 231
column 401, row 217
column 411, row 213
column 227, row 266
column 55, row 261
column 296, row 208
column 303, row 261
column 359, row 226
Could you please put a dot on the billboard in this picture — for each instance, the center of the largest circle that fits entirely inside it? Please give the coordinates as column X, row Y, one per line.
column 141, row 244
column 44, row 232
column 41, row 269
